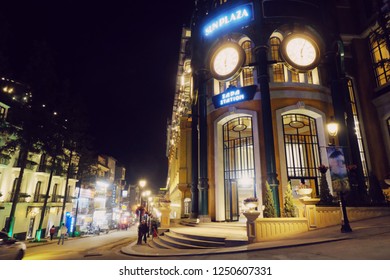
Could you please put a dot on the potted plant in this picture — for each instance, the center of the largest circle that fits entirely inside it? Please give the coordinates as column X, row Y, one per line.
column 288, row 205
column 323, row 169
column 251, row 203
column 325, row 197
column 304, row 190
column 269, row 204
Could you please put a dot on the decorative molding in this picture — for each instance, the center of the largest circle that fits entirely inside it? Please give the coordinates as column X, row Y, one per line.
column 301, row 105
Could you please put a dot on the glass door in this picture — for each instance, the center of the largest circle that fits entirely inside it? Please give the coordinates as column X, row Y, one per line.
column 239, row 165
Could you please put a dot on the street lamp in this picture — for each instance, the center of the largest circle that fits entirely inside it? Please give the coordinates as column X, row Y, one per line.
column 141, row 184
column 333, row 128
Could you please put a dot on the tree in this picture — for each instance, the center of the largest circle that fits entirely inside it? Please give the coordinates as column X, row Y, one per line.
column 288, row 209
column 269, row 205
column 24, row 128
column 357, row 195
column 87, row 159
column 52, row 145
column 325, row 196
column 375, row 191
column 78, row 144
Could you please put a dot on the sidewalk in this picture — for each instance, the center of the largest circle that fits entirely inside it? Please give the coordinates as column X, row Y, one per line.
column 363, row 228
column 47, row 241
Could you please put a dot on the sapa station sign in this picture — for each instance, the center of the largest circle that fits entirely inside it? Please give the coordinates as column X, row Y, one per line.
column 234, row 95
column 234, row 17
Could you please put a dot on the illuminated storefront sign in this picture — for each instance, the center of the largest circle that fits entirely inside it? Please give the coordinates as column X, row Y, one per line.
column 234, row 95
column 231, row 18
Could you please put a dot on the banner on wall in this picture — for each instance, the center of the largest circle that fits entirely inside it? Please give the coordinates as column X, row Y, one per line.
column 338, row 169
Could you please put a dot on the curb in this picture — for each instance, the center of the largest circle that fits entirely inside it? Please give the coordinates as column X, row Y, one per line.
column 132, row 249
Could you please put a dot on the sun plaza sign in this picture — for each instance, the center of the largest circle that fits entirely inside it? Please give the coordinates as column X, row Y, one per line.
column 231, row 18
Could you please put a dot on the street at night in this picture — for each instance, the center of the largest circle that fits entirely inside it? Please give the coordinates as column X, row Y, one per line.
column 369, row 241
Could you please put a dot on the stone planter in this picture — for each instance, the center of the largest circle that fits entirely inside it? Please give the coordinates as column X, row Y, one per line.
column 304, row 192
column 251, row 205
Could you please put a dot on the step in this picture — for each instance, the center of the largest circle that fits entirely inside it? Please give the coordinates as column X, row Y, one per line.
column 179, row 245
column 195, row 240
column 189, row 222
column 158, row 244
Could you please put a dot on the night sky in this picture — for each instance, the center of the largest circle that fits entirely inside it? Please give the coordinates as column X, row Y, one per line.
column 120, row 57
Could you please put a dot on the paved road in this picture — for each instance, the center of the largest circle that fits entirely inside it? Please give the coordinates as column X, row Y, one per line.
column 370, row 240
column 82, row 248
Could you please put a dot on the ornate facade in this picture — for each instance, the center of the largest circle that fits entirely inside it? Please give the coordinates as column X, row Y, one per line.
column 265, row 78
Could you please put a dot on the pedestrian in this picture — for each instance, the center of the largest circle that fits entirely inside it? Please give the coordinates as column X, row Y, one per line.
column 142, row 232
column 63, row 232
column 146, row 232
column 154, row 233
column 52, row 231
column 154, row 229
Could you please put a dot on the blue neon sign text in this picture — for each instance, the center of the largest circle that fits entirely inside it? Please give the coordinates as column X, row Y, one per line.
column 234, row 95
column 232, row 17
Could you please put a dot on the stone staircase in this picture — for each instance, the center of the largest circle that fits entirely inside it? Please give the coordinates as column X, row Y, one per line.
column 192, row 235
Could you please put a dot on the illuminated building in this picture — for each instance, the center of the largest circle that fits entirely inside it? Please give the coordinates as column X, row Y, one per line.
column 16, row 96
column 309, row 62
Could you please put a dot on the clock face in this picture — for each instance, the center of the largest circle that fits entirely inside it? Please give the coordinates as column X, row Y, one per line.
column 226, row 61
column 300, row 52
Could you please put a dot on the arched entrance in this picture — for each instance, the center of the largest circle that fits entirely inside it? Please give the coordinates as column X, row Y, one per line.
column 238, row 165
column 302, row 150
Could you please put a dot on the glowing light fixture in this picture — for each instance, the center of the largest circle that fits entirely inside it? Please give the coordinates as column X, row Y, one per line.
column 333, row 127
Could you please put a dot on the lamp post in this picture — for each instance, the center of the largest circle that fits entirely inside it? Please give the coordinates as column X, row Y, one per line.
column 333, row 128
column 141, row 184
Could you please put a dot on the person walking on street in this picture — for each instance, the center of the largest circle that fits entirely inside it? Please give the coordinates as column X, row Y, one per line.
column 52, row 231
column 63, row 232
column 142, row 232
column 154, row 230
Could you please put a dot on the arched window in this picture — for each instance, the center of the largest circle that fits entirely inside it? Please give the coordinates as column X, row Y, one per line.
column 54, row 193
column 358, row 130
column 3, row 112
column 380, row 56
column 239, row 165
column 277, row 68
column 14, row 189
column 302, row 150
column 247, row 71
column 37, row 191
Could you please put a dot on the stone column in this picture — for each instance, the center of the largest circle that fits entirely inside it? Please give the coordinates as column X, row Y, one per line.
column 310, row 211
column 251, row 225
column 165, row 219
column 263, row 80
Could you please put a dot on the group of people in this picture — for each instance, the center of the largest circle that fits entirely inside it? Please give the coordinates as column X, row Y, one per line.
column 144, row 231
column 62, row 231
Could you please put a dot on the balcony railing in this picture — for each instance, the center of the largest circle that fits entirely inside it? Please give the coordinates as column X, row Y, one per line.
column 30, row 165
column 23, row 197
column 58, row 171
